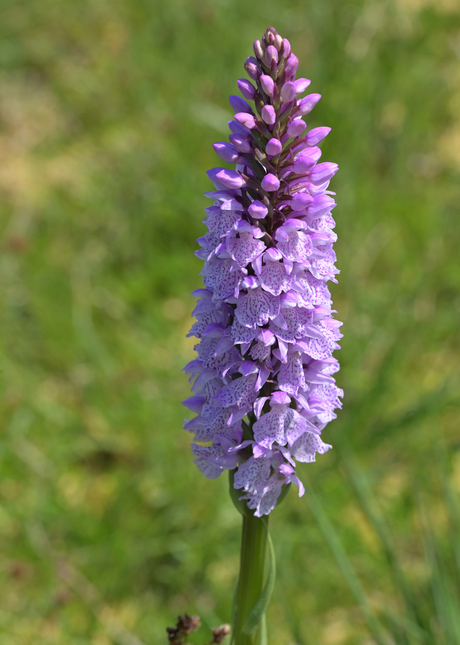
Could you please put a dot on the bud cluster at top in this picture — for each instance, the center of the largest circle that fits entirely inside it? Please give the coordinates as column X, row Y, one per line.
column 263, row 385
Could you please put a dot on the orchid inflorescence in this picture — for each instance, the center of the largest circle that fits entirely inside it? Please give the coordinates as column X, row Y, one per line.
column 262, row 382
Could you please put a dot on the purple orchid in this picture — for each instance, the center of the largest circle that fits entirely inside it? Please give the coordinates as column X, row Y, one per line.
column 262, row 381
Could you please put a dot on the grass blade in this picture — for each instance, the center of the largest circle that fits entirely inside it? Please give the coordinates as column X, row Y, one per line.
column 332, row 538
column 362, row 489
column 447, row 606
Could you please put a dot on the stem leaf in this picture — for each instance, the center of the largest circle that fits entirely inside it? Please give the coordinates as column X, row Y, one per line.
column 257, row 613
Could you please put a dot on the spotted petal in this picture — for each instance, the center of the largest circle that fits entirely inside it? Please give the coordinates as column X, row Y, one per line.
column 256, row 308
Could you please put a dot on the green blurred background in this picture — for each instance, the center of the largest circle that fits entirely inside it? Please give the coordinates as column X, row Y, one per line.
column 108, row 110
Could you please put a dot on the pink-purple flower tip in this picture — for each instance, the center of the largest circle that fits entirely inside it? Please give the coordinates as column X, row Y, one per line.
column 306, row 160
column 301, row 85
column 252, row 68
column 239, row 105
column 321, row 205
column 291, row 66
column 271, row 54
column 323, row 172
column 273, row 147
column 285, row 48
column 258, row 51
column 280, row 398
column 306, row 105
column 288, row 92
column 227, row 152
column 257, row 210
column 241, row 142
column 268, row 84
column 246, row 88
column 296, row 127
column 270, row 183
column 246, row 119
column 230, row 178
column 300, row 201
column 269, row 114
column 316, row 135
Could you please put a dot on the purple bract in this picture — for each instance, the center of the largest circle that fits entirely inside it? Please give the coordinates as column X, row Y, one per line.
column 262, row 381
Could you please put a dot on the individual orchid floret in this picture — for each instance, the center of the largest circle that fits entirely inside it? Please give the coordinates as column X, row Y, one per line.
column 262, row 380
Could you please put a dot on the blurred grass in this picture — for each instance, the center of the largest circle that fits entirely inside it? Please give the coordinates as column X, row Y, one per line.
column 107, row 116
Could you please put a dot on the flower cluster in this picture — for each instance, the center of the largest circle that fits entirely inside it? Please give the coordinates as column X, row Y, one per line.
column 262, row 380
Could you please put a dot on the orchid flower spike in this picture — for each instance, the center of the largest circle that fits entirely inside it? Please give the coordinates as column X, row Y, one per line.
column 262, row 381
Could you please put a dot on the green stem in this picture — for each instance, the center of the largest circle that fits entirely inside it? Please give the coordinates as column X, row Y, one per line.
column 251, row 580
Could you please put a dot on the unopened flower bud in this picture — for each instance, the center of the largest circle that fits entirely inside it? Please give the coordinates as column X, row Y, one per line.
column 278, row 42
column 268, row 84
column 270, row 183
column 291, row 66
column 237, row 128
column 269, row 36
column 257, row 210
column 241, row 142
column 296, row 127
column 300, row 201
column 321, row 205
column 230, row 178
column 246, row 119
column 323, row 172
column 273, row 147
column 252, row 68
column 306, row 105
column 271, row 53
column 269, row 114
column 288, row 92
column 239, row 105
column 258, row 51
column 246, row 88
column 227, row 152
column 285, row 48
column 306, row 160
column 301, row 85
column 316, row 135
